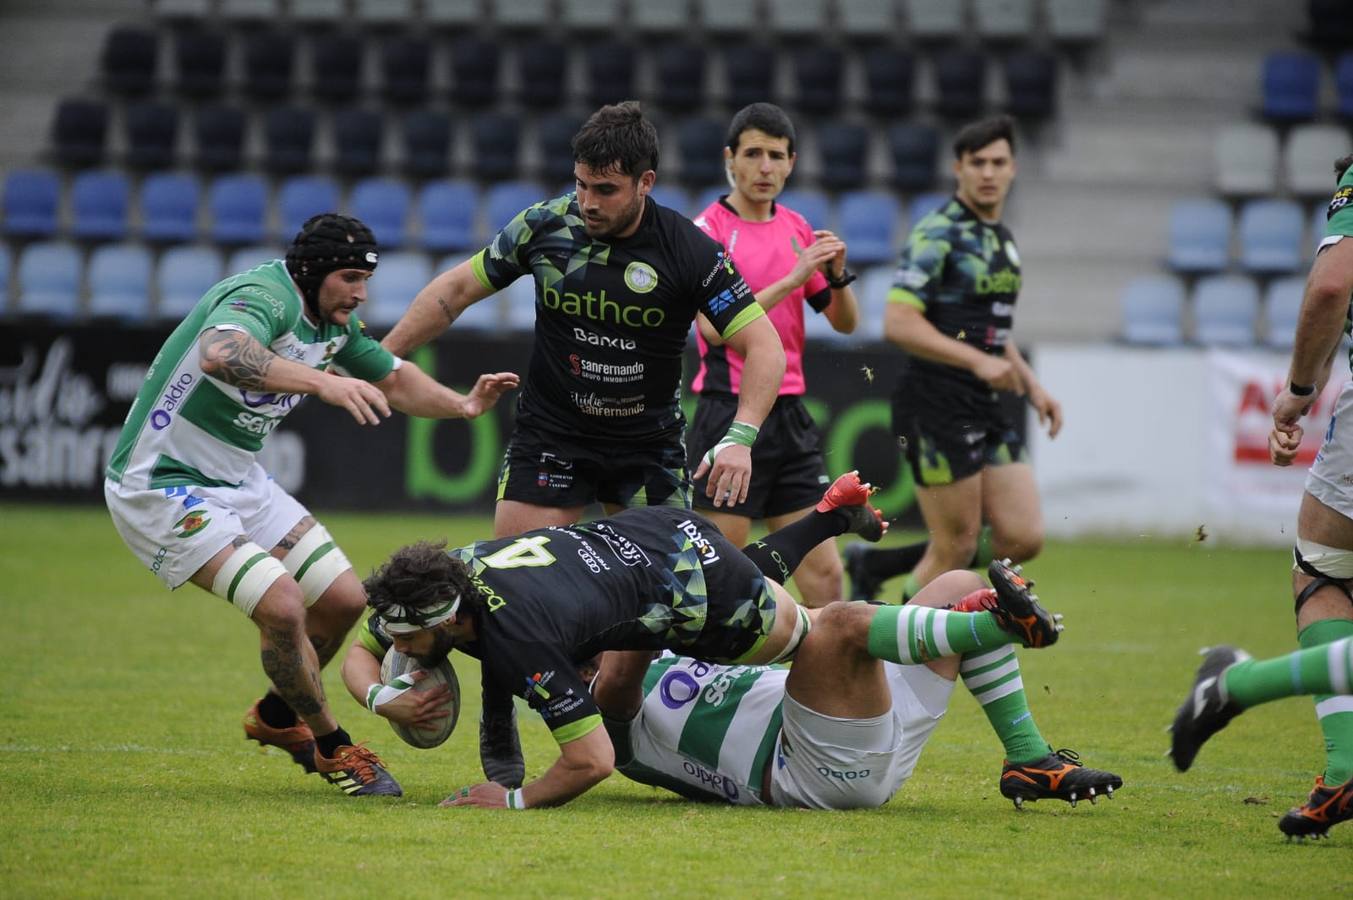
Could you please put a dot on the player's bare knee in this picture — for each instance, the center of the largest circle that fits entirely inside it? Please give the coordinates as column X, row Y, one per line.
column 281, row 611
column 844, row 623
column 953, row 552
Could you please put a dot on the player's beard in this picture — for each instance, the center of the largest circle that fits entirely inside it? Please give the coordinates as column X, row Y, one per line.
column 623, row 221
column 441, row 646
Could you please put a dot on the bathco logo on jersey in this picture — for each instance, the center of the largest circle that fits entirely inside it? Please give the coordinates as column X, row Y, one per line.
column 708, row 554
column 599, row 308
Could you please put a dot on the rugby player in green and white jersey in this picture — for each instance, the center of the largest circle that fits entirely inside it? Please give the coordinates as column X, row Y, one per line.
column 188, row 497
column 840, row 729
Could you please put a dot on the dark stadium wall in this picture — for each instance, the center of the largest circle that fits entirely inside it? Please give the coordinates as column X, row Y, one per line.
column 65, row 391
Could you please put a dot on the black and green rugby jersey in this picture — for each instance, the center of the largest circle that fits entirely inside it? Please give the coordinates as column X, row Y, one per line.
column 645, row 579
column 964, row 275
column 612, row 317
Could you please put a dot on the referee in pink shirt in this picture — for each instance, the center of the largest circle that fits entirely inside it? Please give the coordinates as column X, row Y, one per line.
column 793, row 270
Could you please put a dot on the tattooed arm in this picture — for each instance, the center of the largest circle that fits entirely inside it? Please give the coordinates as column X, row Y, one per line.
column 237, row 358
column 434, row 308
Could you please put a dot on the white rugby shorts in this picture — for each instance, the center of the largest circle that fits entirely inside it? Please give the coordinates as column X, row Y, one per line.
column 175, row 531
column 1330, row 479
column 823, row 762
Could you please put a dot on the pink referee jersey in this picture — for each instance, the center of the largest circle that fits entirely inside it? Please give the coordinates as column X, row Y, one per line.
column 763, row 253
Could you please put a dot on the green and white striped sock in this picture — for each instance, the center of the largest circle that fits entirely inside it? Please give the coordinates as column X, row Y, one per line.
column 993, row 678
column 917, row 634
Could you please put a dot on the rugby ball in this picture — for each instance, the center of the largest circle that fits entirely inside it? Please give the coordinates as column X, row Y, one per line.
column 396, row 664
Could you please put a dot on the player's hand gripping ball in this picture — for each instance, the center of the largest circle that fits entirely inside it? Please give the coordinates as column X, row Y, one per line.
column 425, row 737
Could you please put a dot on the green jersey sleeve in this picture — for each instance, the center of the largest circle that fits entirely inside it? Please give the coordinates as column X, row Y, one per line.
column 257, row 310
column 1339, row 216
column 362, row 356
column 920, row 269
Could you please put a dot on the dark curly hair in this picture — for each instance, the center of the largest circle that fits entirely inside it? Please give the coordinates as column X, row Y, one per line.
column 421, row 575
column 617, row 138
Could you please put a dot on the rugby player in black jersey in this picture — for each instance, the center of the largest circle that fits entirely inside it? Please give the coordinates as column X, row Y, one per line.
column 619, row 281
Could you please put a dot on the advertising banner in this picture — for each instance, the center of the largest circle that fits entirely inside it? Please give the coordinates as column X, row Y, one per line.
column 65, row 391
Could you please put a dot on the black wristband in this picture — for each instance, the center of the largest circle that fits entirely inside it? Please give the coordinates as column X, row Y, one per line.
column 1300, row 390
column 846, row 278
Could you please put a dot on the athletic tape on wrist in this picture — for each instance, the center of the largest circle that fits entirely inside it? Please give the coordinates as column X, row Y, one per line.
column 379, row 694
column 739, row 433
column 515, row 800
column 315, row 562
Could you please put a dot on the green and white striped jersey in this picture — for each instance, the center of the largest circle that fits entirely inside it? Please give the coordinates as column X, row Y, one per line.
column 187, row 428
column 704, row 731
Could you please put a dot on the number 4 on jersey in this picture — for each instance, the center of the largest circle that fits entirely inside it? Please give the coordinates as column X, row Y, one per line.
column 523, row 552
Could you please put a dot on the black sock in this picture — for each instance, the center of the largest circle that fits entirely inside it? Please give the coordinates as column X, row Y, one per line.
column 780, row 552
column 328, row 744
column 884, row 563
column 275, row 712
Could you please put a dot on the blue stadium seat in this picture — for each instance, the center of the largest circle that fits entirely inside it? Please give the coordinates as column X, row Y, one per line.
column 6, row 269
column 554, row 136
column 1291, row 87
column 610, row 69
column 119, row 282
column 505, row 199
column 497, row 145
column 542, row 66
column 1270, row 233
column 475, row 65
column 406, row 68
column 384, row 14
column 750, row 70
column 398, row 278
column 184, row 275
column 1153, row 311
column 169, row 202
column 868, row 224
column 452, row 14
column 32, row 200
column 729, row 17
column 199, row 62
column 80, row 132
column 814, row 206
column 1031, row 84
column 797, row 19
column 1282, row 303
column 49, row 280
column 915, row 150
column 818, row 74
column 427, row 143
column 289, row 139
column 269, row 64
column 238, row 205
column 337, row 63
column 844, row 148
column 670, row 197
column 129, row 60
column 872, row 293
column 383, row 204
column 242, row 259
column 152, row 133
column 447, row 211
column 519, row 304
column 487, row 314
column 923, row 205
column 520, row 15
column 961, row 78
column 590, row 16
column 1199, row 236
column 660, row 17
column 1225, row 308
column 301, row 197
column 359, row 135
column 867, row 20
column 680, row 75
column 890, row 76
column 218, row 133
column 700, row 143
column 1343, row 85
column 99, row 206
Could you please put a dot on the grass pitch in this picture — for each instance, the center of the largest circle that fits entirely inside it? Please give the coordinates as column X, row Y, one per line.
column 126, row 771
